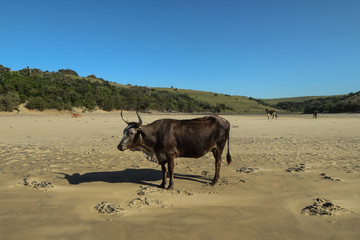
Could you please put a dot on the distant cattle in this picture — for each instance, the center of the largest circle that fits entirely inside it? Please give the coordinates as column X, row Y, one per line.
column 272, row 113
column 166, row 139
column 315, row 114
column 76, row 115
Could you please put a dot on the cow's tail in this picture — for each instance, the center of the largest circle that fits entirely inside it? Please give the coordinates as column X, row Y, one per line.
column 228, row 156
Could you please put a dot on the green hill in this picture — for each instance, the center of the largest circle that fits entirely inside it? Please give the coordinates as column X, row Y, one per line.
column 237, row 104
column 326, row 104
column 274, row 101
column 64, row 89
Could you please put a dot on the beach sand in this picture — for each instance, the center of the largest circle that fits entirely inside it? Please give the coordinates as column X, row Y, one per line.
column 291, row 178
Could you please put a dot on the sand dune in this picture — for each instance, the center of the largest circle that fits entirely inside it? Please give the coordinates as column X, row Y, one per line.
column 291, row 178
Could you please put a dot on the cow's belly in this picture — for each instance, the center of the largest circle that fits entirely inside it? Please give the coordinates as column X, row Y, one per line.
column 194, row 152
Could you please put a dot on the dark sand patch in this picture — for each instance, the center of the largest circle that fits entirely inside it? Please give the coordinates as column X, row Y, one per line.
column 329, row 178
column 297, row 168
column 322, row 207
column 36, row 184
column 230, row 181
column 246, row 170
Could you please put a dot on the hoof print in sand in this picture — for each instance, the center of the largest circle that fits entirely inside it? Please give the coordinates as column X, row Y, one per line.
column 107, row 208
column 349, row 169
column 205, row 173
column 146, row 190
column 329, row 178
column 298, row 168
column 246, row 170
column 322, row 207
column 184, row 192
column 140, row 202
column 230, row 181
column 36, row 185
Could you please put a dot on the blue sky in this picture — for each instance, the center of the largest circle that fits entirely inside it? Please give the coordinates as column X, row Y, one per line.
column 255, row 48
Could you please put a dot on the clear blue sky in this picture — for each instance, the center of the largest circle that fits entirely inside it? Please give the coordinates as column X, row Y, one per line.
column 255, row 48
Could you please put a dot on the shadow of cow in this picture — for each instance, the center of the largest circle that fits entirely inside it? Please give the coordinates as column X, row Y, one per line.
column 138, row 176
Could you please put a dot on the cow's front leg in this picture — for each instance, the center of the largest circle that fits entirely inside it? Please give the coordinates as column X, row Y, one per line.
column 171, row 164
column 164, row 172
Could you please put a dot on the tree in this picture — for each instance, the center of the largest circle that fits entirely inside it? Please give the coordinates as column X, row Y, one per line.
column 68, row 72
column 4, row 69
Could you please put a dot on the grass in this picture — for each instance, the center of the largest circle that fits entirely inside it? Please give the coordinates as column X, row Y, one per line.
column 274, row 101
column 240, row 104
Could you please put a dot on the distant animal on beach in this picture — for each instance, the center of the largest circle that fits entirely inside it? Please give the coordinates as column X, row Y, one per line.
column 272, row 113
column 166, row 139
column 76, row 115
column 315, row 113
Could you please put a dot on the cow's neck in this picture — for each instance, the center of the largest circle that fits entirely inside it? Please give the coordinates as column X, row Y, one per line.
column 146, row 144
column 148, row 140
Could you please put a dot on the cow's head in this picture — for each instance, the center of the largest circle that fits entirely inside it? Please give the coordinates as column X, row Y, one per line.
column 132, row 134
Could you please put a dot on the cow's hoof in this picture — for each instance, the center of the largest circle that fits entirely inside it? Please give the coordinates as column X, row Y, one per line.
column 162, row 186
column 170, row 188
column 213, row 183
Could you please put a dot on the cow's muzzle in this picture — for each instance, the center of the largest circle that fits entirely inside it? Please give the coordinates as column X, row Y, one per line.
column 120, row 147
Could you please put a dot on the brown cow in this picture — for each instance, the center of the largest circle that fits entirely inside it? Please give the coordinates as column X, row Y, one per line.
column 315, row 113
column 166, row 139
column 272, row 113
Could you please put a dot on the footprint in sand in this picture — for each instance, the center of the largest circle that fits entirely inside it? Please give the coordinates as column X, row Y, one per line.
column 246, row 170
column 146, row 190
column 329, row 178
column 322, row 207
column 107, row 208
column 36, row 184
column 230, row 181
column 141, row 202
column 297, row 168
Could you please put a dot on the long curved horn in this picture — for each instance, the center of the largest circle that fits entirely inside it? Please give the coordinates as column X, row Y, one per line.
column 124, row 118
column 140, row 121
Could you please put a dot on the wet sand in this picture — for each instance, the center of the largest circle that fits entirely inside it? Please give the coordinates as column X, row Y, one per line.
column 63, row 178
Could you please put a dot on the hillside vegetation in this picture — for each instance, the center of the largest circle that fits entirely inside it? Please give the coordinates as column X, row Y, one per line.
column 238, row 104
column 65, row 89
column 274, row 101
column 325, row 104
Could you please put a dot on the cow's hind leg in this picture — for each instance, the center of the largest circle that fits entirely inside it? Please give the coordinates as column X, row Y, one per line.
column 171, row 165
column 164, row 172
column 217, row 156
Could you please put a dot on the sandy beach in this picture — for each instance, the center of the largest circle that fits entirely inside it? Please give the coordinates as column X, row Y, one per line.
column 291, row 178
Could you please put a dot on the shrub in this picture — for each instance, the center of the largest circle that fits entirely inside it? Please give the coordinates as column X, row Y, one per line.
column 37, row 103
column 9, row 101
